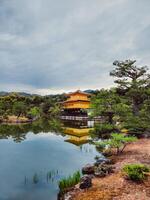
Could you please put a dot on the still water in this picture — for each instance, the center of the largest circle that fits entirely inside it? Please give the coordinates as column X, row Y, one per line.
column 34, row 157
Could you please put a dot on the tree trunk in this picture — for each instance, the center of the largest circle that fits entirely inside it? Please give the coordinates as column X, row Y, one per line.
column 110, row 118
column 135, row 108
column 18, row 115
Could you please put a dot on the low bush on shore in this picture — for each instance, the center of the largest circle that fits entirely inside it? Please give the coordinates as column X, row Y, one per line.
column 136, row 172
column 117, row 141
column 69, row 182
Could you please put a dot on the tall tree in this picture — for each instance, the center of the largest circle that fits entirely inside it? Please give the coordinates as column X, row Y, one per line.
column 133, row 81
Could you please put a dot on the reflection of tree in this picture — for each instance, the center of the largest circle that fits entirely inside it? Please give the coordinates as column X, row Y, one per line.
column 18, row 132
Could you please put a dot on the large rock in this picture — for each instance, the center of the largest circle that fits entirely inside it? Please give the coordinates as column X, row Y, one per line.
column 103, row 170
column 100, row 161
column 88, row 169
column 86, row 182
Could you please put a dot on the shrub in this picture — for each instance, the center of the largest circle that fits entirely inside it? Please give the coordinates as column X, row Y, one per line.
column 135, row 125
column 70, row 181
column 117, row 141
column 103, row 128
column 136, row 172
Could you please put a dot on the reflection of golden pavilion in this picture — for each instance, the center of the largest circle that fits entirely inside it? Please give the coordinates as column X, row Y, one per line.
column 77, row 140
column 77, row 136
column 79, row 132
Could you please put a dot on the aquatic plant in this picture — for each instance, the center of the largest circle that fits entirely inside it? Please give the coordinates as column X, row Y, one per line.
column 35, row 179
column 69, row 182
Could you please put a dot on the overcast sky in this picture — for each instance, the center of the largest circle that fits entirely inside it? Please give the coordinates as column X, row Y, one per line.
column 51, row 46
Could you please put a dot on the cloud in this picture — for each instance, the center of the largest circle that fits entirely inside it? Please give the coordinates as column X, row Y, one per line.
column 52, row 46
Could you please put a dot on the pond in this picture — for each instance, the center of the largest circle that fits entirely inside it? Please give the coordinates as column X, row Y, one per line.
column 34, row 157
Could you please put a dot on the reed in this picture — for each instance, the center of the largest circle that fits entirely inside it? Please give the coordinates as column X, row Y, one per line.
column 69, row 182
column 35, row 179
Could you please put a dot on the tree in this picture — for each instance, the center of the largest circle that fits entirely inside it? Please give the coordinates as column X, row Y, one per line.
column 19, row 108
column 54, row 110
column 133, row 81
column 2, row 108
column 117, row 141
column 108, row 103
column 34, row 112
column 45, row 107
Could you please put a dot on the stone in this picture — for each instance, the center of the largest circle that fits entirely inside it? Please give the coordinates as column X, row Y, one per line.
column 88, row 169
column 102, row 161
column 103, row 170
column 146, row 134
column 86, row 182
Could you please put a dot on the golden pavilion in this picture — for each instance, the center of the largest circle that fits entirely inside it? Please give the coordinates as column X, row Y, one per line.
column 77, row 104
column 77, row 100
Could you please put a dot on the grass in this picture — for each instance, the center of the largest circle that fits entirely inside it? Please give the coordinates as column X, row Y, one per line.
column 69, row 182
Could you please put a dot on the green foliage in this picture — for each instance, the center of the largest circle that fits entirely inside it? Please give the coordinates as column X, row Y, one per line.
column 117, row 141
column 2, row 108
column 19, row 108
column 136, row 125
column 70, row 181
column 30, row 106
column 34, row 112
column 103, row 128
column 127, row 105
column 54, row 110
column 104, row 104
column 133, row 81
column 136, row 172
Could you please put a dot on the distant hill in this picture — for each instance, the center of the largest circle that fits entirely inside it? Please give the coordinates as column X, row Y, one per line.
column 3, row 93
column 19, row 93
column 89, row 91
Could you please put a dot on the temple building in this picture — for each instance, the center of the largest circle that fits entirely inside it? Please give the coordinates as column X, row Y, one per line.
column 77, row 103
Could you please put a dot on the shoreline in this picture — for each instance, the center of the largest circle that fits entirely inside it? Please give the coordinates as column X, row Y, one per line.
column 115, row 186
column 13, row 120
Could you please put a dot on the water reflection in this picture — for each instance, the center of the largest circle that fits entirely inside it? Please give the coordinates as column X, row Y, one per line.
column 34, row 157
column 78, row 132
column 18, row 131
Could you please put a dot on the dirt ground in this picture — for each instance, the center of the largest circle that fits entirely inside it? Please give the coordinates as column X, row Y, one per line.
column 115, row 186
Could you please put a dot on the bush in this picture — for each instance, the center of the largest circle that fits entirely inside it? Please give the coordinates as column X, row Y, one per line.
column 69, row 181
column 117, row 141
column 136, row 172
column 103, row 128
column 135, row 125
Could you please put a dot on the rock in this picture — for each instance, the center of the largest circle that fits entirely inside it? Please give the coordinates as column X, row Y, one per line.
column 86, row 182
column 102, row 161
column 103, row 170
column 146, row 134
column 71, row 194
column 88, row 169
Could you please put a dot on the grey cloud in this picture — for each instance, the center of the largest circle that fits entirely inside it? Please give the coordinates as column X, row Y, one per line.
column 69, row 44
